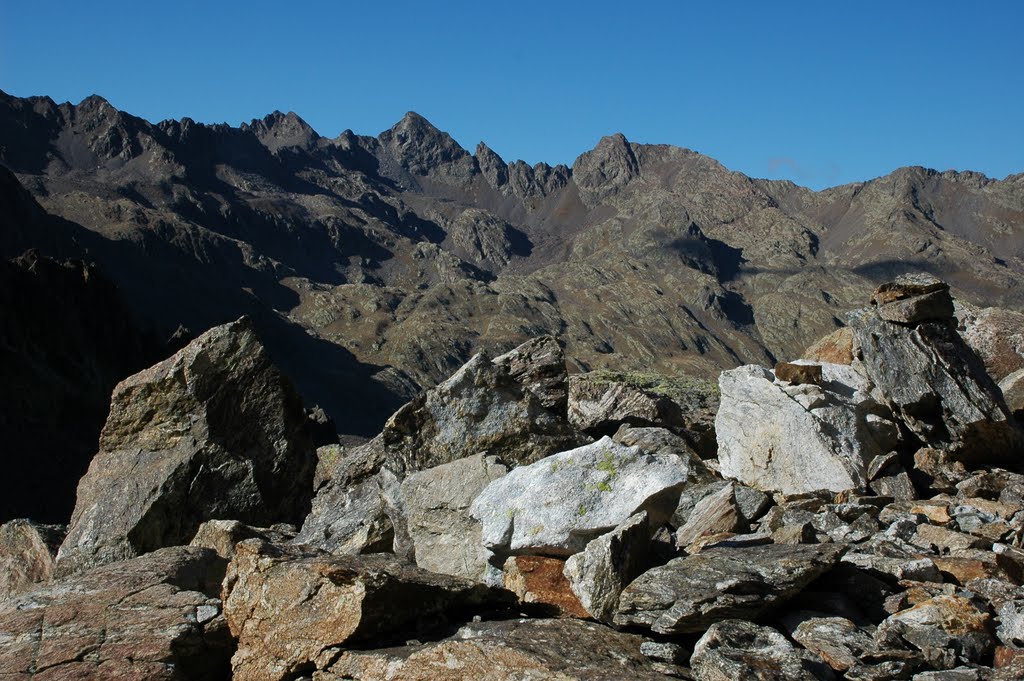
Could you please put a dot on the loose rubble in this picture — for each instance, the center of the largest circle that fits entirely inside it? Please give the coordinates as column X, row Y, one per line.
column 861, row 517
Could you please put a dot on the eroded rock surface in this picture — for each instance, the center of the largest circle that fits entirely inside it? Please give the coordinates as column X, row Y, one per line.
column 512, row 650
column 154, row 617
column 436, row 501
column 512, row 408
column 796, row 438
column 936, row 385
column 734, row 649
column 27, row 554
column 273, row 592
column 216, row 431
column 598, row 574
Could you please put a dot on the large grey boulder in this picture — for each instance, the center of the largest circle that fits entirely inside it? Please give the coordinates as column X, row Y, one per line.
column 445, row 537
column 773, row 435
column 215, row 431
column 598, row 574
column 689, row 594
column 935, row 384
column 555, row 506
column 734, row 649
column 512, row 408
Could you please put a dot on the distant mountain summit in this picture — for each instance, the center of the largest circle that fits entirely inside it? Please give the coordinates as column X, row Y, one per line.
column 377, row 265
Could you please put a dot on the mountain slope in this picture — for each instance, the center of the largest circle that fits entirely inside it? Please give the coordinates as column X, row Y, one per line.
column 406, row 251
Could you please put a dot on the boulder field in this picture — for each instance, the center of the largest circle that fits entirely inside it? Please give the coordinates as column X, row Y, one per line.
column 856, row 513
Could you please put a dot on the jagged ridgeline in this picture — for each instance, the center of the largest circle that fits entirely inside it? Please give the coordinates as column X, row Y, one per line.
column 383, row 263
column 581, row 456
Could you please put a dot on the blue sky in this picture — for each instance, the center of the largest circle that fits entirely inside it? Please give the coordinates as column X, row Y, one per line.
column 820, row 93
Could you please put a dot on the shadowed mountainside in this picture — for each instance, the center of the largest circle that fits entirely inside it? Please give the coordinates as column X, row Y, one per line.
column 376, row 265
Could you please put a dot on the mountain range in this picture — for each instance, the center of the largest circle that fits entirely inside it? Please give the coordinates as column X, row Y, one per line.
column 375, row 266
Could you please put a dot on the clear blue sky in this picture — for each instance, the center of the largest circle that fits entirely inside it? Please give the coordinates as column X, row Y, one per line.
column 819, row 92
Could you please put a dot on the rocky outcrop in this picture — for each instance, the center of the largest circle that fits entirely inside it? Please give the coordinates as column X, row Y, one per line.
column 27, row 554
column 216, row 431
column 436, row 501
column 271, row 592
column 797, row 437
column 555, row 506
column 155, row 617
column 511, row 650
column 512, row 408
column 935, row 384
column 690, row 594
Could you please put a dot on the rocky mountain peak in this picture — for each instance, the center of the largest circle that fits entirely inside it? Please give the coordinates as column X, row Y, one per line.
column 279, row 130
column 605, row 169
column 493, row 167
column 422, row 149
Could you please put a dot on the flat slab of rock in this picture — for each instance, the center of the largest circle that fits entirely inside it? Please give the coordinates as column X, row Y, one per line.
column 27, row 554
column 511, row 650
column 555, row 506
column 937, row 386
column 734, row 649
column 286, row 604
column 689, row 594
column 933, row 306
column 215, row 431
column 153, row 617
column 837, row 640
column 795, row 438
column 436, row 501
column 907, row 286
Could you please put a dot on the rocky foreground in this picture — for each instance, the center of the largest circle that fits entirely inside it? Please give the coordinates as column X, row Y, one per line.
column 854, row 514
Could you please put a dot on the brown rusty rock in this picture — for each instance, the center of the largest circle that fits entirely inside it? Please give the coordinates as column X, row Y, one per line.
column 538, row 579
column 798, row 374
column 150, row 618
column 285, row 604
column 835, row 348
column 907, row 286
